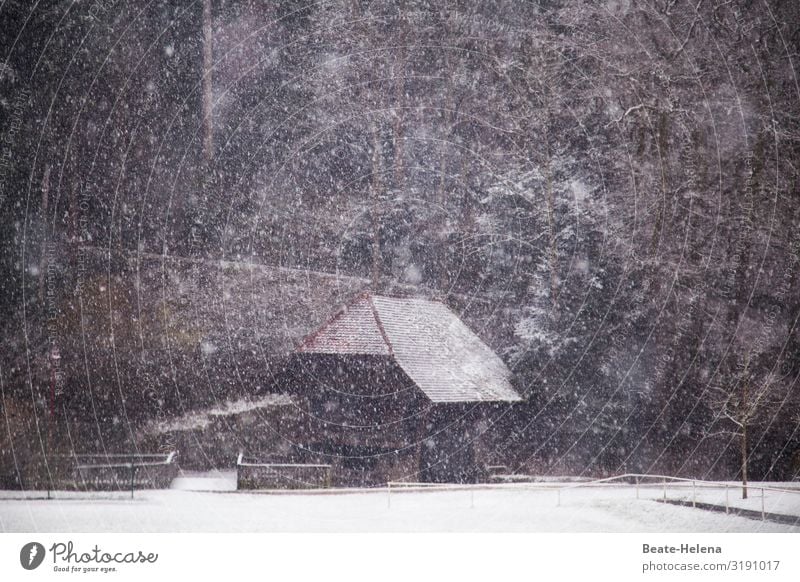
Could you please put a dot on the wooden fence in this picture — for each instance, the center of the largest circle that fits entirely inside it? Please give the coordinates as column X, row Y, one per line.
column 251, row 474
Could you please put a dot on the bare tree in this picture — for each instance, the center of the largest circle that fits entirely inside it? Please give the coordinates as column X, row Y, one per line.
column 742, row 402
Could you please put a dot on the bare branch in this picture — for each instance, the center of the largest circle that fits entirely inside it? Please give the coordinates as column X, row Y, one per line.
column 628, row 112
column 688, row 34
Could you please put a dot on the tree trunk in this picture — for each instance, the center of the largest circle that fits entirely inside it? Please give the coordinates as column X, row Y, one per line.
column 448, row 123
column 399, row 113
column 45, row 235
column 663, row 147
column 551, row 227
column 377, row 165
column 208, row 96
column 744, row 461
column 745, row 417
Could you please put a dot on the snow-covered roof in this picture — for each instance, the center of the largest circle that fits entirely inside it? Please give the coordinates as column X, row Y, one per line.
column 440, row 354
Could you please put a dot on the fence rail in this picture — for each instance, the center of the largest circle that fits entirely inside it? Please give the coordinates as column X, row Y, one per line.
column 260, row 475
column 111, row 472
column 661, row 483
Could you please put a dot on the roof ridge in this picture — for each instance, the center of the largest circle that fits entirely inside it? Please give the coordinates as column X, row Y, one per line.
column 309, row 339
column 342, row 311
column 376, row 315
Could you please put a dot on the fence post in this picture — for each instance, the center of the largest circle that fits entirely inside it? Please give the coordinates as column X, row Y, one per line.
column 558, row 497
column 472, row 498
column 763, row 513
column 389, row 495
column 131, row 466
column 727, row 502
column 694, row 495
column 637, row 487
column 665, row 488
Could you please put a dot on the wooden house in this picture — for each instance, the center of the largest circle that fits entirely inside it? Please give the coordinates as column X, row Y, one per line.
column 389, row 389
column 395, row 389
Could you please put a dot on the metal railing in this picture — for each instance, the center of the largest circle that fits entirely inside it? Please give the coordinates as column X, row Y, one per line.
column 281, row 475
column 638, row 480
column 124, row 471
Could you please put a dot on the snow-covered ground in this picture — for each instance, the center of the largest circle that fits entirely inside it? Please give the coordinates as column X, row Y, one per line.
column 205, row 481
column 606, row 509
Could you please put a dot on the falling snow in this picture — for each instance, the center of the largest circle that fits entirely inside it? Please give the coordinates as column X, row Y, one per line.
column 366, row 242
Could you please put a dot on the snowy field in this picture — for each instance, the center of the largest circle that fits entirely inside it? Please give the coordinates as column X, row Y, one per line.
column 501, row 509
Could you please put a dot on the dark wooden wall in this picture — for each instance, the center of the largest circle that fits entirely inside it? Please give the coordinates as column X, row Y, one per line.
column 360, row 414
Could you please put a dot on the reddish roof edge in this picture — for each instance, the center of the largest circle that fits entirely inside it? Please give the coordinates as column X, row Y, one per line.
column 312, row 336
column 380, row 326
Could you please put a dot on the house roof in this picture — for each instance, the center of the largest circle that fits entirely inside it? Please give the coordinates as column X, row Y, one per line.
column 440, row 354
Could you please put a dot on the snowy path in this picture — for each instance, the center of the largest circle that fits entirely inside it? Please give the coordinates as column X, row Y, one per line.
column 613, row 509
